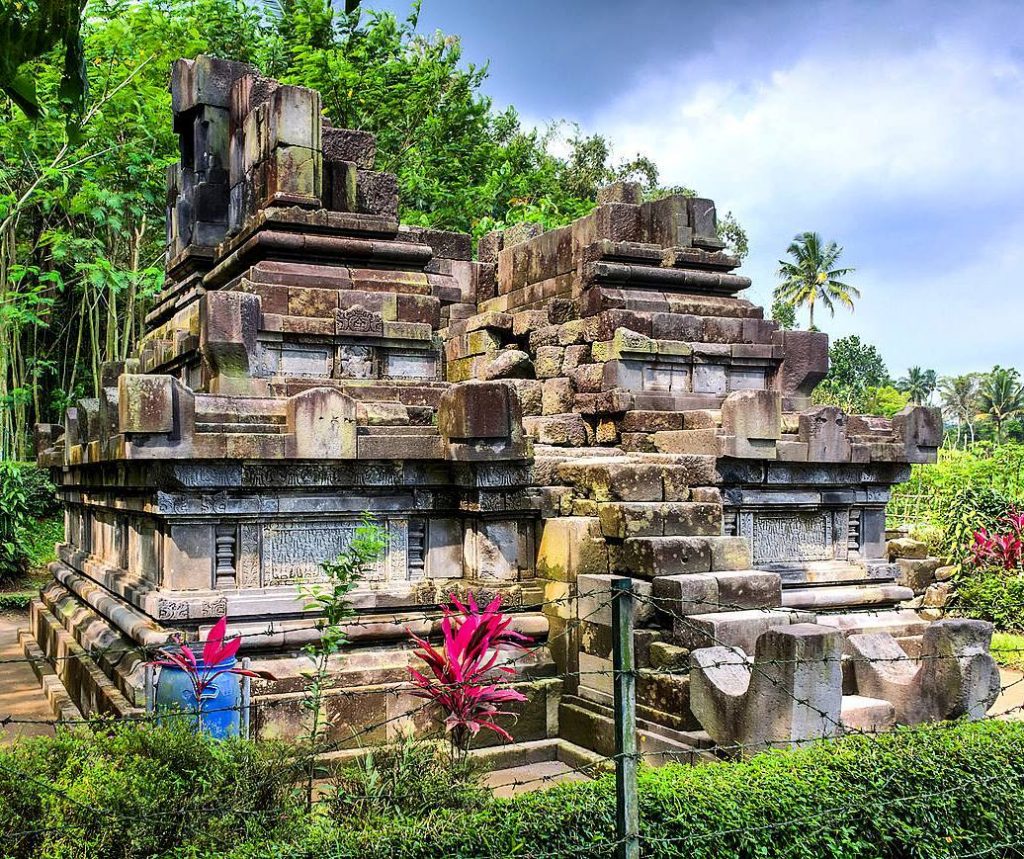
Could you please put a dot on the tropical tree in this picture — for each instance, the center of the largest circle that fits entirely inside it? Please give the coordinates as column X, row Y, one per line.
column 31, row 30
column 855, row 369
column 918, row 384
column 1001, row 398
column 812, row 276
column 958, row 396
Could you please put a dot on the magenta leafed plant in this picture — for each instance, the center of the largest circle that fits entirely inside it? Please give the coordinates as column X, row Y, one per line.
column 1003, row 549
column 203, row 672
column 465, row 679
column 1000, row 549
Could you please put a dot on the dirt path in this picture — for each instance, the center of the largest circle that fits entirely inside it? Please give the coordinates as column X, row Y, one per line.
column 21, row 696
column 1010, row 703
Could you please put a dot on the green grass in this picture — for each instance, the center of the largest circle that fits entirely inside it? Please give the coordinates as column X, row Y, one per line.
column 1008, row 650
column 16, row 601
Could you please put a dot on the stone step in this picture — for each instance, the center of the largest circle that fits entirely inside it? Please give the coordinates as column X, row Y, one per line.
column 650, row 557
column 844, row 596
column 591, row 724
column 733, row 628
column 899, row 623
column 826, row 573
column 622, row 519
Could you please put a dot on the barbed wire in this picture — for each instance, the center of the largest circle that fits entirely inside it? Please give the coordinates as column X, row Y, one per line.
column 593, row 766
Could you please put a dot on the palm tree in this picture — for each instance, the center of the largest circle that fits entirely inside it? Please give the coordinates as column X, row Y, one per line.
column 813, row 277
column 959, row 398
column 1001, row 398
column 918, row 384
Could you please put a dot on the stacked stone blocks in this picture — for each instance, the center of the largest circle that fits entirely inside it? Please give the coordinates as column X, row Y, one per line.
column 571, row 405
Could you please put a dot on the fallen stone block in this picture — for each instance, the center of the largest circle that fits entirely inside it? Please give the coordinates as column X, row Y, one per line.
column 955, row 676
column 789, row 694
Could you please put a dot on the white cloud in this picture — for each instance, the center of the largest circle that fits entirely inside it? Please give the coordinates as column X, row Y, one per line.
column 830, row 125
column 864, row 140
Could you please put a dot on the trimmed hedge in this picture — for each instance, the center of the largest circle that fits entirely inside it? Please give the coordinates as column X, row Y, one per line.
column 941, row 791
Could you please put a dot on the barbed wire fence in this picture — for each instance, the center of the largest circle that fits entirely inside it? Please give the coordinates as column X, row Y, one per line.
column 629, row 835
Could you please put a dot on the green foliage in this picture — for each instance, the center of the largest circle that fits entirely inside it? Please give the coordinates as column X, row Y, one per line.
column 812, row 276
column 17, row 601
column 732, row 233
column 970, row 508
column 964, row 490
column 31, row 30
column 934, row 792
column 1008, row 650
column 27, row 505
column 40, row 539
column 884, row 400
column 410, row 778
column 330, row 599
column 958, row 396
column 136, row 792
column 855, row 368
column 785, row 315
column 992, row 594
column 1001, row 398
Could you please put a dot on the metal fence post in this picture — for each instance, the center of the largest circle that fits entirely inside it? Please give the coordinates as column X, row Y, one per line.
column 627, row 812
column 149, row 690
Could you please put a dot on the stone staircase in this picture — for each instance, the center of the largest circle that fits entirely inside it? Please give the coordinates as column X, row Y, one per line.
column 839, row 586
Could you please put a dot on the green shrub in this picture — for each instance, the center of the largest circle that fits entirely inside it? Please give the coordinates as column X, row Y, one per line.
column 993, row 594
column 409, row 778
column 935, row 792
column 125, row 791
column 28, row 523
column 967, row 510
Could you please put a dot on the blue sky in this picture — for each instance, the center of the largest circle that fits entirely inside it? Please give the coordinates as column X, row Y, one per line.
column 895, row 128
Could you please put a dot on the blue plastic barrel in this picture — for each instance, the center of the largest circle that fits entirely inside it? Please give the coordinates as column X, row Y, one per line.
column 222, row 700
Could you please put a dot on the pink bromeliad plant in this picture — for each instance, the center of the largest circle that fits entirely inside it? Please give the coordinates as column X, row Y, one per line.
column 202, row 672
column 464, row 675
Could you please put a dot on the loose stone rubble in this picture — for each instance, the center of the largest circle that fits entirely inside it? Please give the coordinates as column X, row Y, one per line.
column 572, row 405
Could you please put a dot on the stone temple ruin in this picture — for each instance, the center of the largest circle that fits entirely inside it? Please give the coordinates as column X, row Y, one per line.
column 587, row 402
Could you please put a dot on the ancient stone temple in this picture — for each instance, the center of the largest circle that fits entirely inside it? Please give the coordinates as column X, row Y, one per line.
column 570, row 405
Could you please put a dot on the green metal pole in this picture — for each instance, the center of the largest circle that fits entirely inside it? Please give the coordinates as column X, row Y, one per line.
column 627, row 812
